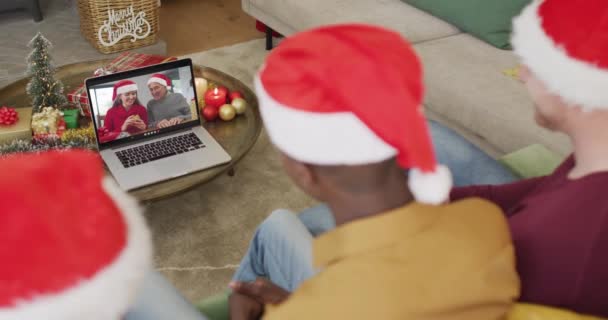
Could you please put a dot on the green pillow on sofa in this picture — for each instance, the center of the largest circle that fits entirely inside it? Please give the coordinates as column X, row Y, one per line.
column 488, row 20
column 532, row 161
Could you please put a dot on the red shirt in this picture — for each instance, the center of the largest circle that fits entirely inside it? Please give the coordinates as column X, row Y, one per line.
column 116, row 116
column 560, row 231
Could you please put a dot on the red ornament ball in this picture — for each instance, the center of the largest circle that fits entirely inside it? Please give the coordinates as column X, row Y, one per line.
column 235, row 94
column 210, row 113
column 8, row 116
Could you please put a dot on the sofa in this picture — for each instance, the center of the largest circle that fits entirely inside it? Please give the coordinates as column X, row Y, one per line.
column 32, row 5
column 467, row 87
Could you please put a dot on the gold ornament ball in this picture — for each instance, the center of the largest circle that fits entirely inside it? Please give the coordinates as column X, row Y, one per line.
column 240, row 105
column 227, row 112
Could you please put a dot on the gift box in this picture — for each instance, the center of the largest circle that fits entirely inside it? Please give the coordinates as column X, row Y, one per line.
column 47, row 123
column 125, row 61
column 20, row 130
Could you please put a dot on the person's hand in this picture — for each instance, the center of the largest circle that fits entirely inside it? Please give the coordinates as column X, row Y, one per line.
column 127, row 123
column 175, row 121
column 163, row 124
column 243, row 307
column 139, row 124
column 262, row 290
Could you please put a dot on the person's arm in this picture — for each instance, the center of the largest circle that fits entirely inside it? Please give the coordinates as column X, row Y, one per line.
column 591, row 293
column 504, row 196
column 110, row 122
column 183, row 107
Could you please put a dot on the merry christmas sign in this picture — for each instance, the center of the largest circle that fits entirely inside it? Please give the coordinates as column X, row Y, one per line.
column 124, row 23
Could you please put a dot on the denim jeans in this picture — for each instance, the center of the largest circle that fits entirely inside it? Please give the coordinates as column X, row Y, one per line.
column 281, row 249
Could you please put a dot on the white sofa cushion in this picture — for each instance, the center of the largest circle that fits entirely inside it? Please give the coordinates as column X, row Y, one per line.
column 289, row 16
column 466, row 85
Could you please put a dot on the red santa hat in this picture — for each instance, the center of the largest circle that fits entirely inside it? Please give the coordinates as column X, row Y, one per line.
column 565, row 44
column 74, row 246
column 351, row 95
column 161, row 79
column 123, row 86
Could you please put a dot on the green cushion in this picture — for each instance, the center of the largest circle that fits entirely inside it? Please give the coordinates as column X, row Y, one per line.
column 215, row 307
column 488, row 20
column 532, row 161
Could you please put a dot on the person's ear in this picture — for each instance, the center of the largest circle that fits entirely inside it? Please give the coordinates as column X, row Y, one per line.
column 303, row 175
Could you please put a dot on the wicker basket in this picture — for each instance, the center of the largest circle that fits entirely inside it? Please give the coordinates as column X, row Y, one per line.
column 118, row 25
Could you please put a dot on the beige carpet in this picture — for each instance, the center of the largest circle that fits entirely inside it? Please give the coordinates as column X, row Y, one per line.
column 201, row 235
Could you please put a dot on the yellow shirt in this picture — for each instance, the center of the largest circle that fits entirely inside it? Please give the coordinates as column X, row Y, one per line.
column 454, row 261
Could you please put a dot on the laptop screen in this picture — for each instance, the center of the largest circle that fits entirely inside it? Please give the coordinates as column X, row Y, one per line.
column 140, row 103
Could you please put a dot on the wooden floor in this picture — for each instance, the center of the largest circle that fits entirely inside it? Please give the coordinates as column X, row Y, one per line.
column 190, row 26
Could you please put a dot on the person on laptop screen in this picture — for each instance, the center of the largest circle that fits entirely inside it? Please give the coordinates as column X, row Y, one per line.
column 166, row 108
column 127, row 114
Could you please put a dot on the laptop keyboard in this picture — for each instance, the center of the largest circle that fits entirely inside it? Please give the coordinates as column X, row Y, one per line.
column 159, row 149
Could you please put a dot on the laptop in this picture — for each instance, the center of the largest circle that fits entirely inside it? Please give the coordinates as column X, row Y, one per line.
column 147, row 124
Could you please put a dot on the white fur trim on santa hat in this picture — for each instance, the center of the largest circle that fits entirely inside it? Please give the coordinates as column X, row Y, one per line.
column 158, row 80
column 320, row 138
column 431, row 188
column 577, row 82
column 127, row 88
column 111, row 290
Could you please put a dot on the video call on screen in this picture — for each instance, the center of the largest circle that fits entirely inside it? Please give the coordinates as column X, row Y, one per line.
column 144, row 104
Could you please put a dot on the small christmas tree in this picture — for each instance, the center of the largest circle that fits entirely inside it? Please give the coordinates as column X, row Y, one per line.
column 44, row 90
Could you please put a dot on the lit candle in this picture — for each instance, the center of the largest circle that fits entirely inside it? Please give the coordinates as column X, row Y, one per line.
column 216, row 97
